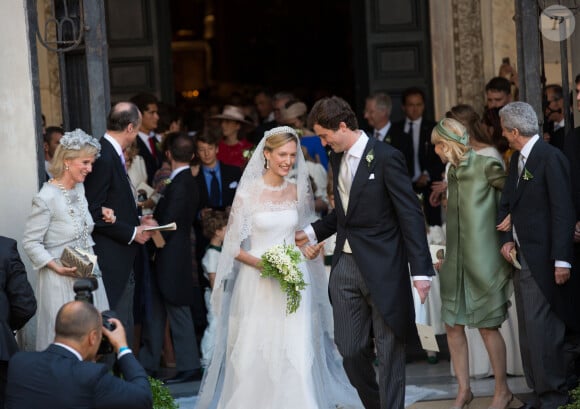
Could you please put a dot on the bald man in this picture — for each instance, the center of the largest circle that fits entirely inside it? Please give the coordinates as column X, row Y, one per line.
column 65, row 374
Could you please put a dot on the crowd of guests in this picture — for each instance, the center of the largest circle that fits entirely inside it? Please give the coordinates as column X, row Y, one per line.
column 499, row 186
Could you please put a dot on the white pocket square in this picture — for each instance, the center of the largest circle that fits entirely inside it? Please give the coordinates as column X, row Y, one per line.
column 372, row 176
column 233, row 185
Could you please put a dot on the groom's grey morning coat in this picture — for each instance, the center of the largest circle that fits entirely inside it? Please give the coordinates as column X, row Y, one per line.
column 385, row 228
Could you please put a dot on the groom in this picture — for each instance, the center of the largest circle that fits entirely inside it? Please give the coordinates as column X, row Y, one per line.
column 380, row 228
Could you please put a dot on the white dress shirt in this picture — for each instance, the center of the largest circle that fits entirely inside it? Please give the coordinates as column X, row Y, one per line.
column 416, row 142
column 382, row 133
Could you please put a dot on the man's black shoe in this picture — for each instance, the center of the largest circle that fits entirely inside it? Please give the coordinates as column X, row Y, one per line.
column 185, row 376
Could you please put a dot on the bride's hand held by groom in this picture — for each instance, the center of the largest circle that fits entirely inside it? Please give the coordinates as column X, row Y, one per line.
column 300, row 238
column 311, row 251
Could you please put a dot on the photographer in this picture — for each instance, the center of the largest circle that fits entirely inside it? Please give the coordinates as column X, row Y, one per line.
column 65, row 374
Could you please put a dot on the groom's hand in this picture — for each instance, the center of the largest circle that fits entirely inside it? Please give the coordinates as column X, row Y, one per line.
column 301, row 238
column 422, row 287
column 311, row 252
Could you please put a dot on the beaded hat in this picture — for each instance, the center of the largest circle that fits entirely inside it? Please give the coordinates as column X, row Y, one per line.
column 77, row 139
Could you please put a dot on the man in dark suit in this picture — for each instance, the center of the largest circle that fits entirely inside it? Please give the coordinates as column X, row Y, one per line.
column 65, row 374
column 108, row 185
column 173, row 292
column 17, row 304
column 572, row 152
column 227, row 177
column 412, row 136
column 217, row 185
column 538, row 197
column 377, row 113
column 379, row 227
column 147, row 140
column 555, row 120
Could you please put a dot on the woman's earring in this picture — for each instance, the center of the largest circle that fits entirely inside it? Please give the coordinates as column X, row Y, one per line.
column 266, row 164
column 65, row 167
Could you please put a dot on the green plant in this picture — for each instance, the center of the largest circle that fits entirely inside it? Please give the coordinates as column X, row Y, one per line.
column 574, row 399
column 162, row 398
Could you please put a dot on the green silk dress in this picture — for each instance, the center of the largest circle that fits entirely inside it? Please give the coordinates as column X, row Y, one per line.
column 475, row 278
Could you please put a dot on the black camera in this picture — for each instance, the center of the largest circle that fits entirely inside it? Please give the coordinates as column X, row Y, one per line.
column 83, row 289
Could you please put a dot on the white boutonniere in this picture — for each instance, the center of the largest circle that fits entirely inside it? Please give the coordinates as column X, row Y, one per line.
column 370, row 157
column 167, row 182
column 233, row 185
column 527, row 175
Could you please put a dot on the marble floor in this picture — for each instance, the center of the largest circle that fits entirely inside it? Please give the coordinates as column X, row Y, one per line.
column 435, row 379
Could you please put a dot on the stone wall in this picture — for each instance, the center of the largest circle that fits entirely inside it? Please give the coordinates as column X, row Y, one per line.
column 469, row 39
column 18, row 156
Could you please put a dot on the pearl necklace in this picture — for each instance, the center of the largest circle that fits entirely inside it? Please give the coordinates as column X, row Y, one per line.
column 82, row 231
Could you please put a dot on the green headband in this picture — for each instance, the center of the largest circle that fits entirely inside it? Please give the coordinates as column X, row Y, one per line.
column 450, row 135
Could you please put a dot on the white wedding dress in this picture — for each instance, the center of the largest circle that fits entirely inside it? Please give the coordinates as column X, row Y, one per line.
column 275, row 360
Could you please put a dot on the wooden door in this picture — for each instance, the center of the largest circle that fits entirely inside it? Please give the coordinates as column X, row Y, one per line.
column 392, row 50
column 138, row 34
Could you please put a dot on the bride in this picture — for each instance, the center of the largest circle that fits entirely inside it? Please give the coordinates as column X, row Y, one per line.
column 265, row 358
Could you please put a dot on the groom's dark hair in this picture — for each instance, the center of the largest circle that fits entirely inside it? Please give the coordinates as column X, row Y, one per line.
column 329, row 112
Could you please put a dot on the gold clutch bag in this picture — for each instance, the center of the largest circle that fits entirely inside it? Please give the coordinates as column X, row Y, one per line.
column 72, row 257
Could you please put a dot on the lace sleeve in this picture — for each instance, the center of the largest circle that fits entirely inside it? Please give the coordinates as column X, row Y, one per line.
column 251, row 195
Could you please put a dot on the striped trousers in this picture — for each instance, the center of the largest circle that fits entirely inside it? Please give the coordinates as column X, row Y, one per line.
column 356, row 321
column 542, row 336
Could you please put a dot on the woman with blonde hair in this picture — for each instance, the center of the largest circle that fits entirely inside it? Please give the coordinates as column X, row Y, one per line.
column 60, row 218
column 474, row 277
column 265, row 357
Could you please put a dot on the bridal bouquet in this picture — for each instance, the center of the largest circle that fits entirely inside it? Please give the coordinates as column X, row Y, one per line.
column 281, row 263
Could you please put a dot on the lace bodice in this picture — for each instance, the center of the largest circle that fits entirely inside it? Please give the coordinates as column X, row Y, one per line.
column 275, row 224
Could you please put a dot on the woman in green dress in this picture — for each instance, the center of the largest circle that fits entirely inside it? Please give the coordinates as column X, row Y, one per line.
column 474, row 277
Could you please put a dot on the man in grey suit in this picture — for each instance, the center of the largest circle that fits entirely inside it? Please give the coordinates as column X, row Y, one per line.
column 380, row 228
column 538, row 197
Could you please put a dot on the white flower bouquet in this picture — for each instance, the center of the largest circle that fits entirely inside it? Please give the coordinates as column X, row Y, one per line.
column 281, row 263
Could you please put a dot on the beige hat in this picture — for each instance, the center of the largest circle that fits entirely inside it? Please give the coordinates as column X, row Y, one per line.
column 294, row 111
column 233, row 113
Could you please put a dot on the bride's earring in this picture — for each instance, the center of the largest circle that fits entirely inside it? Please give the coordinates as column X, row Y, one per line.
column 266, row 164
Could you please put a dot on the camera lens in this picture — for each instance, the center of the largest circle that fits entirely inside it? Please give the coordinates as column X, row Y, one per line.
column 84, row 288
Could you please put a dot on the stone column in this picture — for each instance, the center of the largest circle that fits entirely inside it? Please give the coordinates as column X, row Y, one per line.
column 458, row 55
column 443, row 56
column 468, row 50
column 20, row 123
